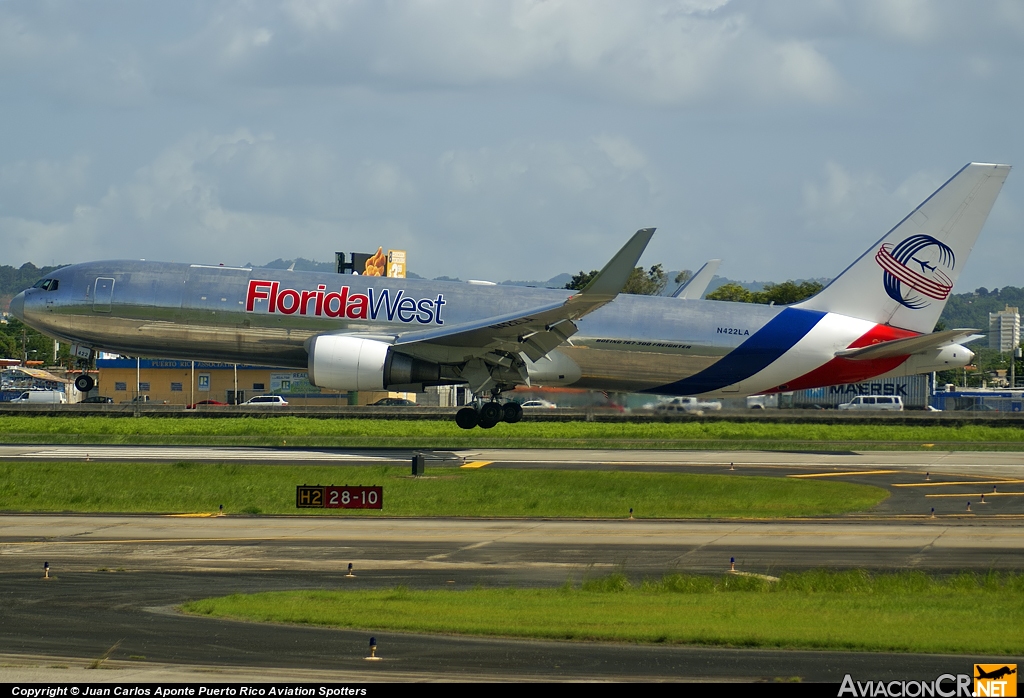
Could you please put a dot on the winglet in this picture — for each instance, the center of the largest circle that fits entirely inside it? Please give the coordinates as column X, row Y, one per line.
column 696, row 285
column 609, row 281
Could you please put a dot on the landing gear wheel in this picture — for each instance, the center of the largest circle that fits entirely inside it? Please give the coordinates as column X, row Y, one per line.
column 511, row 412
column 490, row 412
column 84, row 383
column 467, row 418
column 485, row 423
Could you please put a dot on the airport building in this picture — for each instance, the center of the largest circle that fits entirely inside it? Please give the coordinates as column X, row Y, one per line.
column 15, row 380
column 173, row 382
column 1004, row 330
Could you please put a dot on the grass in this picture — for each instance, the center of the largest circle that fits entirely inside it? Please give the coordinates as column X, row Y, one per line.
column 370, row 433
column 904, row 612
column 270, row 489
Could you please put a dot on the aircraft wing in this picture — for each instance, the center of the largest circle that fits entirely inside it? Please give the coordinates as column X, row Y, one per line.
column 694, row 287
column 534, row 332
column 910, row 345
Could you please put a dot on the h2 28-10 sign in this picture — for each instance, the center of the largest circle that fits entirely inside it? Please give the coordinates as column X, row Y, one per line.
column 339, row 497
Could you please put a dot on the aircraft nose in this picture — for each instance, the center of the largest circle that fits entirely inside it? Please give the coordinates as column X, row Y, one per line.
column 18, row 306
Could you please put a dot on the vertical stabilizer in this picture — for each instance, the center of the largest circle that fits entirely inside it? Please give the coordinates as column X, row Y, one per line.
column 905, row 278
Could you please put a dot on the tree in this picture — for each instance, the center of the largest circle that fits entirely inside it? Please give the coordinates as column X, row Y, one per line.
column 649, row 283
column 18, row 341
column 9, row 348
column 580, row 281
column 640, row 282
column 731, row 292
column 780, row 294
column 787, row 292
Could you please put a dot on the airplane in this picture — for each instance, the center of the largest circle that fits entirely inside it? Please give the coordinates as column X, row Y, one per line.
column 694, row 287
column 995, row 674
column 875, row 319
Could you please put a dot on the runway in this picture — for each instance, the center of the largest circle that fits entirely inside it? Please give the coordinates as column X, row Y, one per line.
column 118, row 578
column 988, row 462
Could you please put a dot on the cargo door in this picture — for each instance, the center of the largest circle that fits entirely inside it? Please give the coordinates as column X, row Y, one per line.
column 103, row 291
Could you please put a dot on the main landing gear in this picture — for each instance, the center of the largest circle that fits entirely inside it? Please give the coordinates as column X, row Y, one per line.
column 488, row 414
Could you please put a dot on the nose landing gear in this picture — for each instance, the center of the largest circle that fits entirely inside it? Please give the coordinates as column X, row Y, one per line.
column 488, row 414
column 84, row 358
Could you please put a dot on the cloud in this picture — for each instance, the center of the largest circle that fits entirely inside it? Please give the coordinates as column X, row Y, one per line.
column 665, row 52
column 43, row 189
column 225, row 196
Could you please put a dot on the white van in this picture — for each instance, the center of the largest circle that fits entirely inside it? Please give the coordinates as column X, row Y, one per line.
column 52, row 397
column 893, row 403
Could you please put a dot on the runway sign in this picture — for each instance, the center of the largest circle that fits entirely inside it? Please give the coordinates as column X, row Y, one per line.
column 339, row 497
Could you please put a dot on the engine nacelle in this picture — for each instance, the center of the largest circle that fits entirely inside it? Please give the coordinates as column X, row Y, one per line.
column 353, row 363
column 552, row 369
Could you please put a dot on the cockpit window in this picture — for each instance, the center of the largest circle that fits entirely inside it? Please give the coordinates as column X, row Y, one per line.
column 42, row 283
column 53, row 285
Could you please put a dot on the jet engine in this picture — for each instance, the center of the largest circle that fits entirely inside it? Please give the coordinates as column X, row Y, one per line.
column 353, row 363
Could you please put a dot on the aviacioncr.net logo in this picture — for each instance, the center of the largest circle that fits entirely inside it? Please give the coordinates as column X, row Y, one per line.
column 916, row 270
column 945, row 686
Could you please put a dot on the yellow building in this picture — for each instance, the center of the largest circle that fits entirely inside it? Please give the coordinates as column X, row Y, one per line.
column 186, row 383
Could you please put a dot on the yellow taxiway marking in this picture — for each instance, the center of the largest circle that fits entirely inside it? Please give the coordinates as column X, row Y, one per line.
column 190, row 516
column 945, row 484
column 982, row 494
column 841, row 474
column 477, row 464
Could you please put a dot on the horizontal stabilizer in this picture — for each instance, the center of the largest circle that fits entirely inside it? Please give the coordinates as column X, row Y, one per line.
column 696, row 285
column 910, row 345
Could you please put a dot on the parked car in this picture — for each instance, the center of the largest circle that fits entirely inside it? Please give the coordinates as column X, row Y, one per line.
column 52, row 397
column 393, row 402
column 687, row 405
column 538, row 403
column 265, row 401
column 891, row 403
column 98, row 400
column 143, row 398
column 204, row 402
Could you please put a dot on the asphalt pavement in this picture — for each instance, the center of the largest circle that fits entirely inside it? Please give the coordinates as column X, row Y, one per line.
column 116, row 580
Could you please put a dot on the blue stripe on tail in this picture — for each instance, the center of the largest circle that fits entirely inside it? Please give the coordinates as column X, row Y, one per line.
column 765, row 346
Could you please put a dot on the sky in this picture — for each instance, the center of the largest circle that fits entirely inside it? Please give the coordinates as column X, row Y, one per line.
column 507, row 139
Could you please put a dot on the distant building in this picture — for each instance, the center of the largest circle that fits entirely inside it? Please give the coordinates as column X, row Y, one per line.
column 185, row 382
column 1004, row 330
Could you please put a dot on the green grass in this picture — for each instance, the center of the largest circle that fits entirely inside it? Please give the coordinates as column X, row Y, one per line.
column 270, row 489
column 906, row 612
column 305, row 431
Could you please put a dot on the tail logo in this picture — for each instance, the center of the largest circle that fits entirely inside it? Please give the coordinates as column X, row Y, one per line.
column 915, row 270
